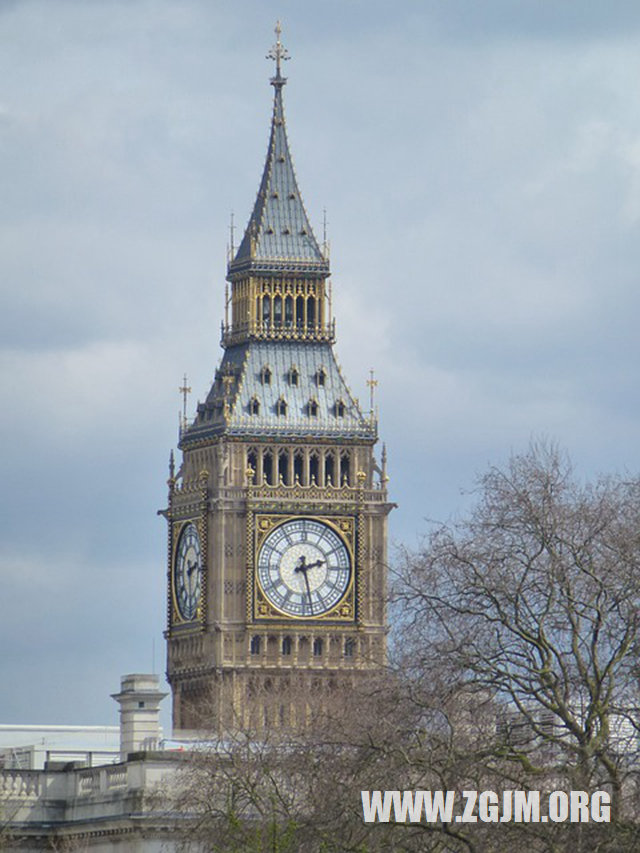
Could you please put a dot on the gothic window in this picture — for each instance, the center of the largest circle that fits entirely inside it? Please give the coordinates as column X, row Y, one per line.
column 299, row 312
column 288, row 312
column 265, row 375
column 312, row 408
column 266, row 310
column 345, row 469
column 314, row 468
column 283, row 467
column 281, row 407
column 349, row 648
column 311, row 311
column 255, row 645
column 294, row 376
column 267, row 467
column 317, row 647
column 277, row 311
column 286, row 645
column 254, row 406
column 329, row 469
column 321, row 376
column 339, row 409
column 252, row 462
column 297, row 467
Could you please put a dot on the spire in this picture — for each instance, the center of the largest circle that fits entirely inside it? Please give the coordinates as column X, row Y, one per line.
column 279, row 236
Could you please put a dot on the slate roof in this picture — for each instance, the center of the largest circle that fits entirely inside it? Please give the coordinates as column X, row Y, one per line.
column 279, row 235
column 228, row 407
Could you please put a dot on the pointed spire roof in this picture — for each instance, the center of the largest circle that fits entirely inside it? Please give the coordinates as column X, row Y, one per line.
column 279, row 236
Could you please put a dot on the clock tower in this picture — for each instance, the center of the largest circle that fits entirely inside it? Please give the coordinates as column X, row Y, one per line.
column 277, row 516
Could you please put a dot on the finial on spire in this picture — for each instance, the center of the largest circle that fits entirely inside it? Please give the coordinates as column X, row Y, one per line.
column 184, row 390
column 373, row 384
column 278, row 53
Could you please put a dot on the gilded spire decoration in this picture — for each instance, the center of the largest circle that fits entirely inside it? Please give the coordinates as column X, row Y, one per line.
column 279, row 54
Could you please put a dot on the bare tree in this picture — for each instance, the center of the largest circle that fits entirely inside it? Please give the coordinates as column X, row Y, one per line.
column 532, row 603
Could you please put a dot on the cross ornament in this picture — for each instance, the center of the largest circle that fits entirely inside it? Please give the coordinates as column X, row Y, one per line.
column 278, row 52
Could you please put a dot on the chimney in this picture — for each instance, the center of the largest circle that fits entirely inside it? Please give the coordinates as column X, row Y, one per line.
column 139, row 701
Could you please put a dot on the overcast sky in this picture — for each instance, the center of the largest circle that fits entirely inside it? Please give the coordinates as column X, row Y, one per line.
column 479, row 161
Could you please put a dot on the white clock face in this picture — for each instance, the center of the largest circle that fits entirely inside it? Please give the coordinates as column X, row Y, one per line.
column 188, row 572
column 304, row 567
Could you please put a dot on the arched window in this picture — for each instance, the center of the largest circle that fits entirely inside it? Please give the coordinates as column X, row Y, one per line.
column 252, row 462
column 317, row 647
column 283, row 467
column 314, row 468
column 345, row 470
column 254, row 406
column 299, row 312
column 286, row 645
column 329, row 469
column 311, row 311
column 288, row 312
column 349, row 648
column 321, row 375
column 255, row 645
column 266, row 310
column 265, row 375
column 339, row 409
column 277, row 311
column 267, row 467
column 297, row 467
column 281, row 407
column 294, row 376
column 312, row 408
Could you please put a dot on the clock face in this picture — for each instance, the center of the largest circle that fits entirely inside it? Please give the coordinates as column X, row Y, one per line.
column 304, row 567
column 187, row 572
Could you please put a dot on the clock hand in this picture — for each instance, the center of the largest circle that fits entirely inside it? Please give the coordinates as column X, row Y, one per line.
column 302, row 567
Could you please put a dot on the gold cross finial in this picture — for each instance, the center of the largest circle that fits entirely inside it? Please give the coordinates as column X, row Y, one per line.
column 278, row 53
column 184, row 390
column 373, row 384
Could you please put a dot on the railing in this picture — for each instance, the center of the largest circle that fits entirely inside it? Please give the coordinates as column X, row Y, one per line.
column 20, row 784
column 330, row 493
column 100, row 780
column 236, row 332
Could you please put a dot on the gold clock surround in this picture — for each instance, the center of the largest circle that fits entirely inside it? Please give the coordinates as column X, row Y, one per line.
column 260, row 609
column 176, row 619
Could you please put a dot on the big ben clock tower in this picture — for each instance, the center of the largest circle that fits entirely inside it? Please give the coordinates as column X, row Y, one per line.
column 277, row 517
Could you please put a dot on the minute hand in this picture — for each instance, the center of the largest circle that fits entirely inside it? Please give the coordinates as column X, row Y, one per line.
column 302, row 567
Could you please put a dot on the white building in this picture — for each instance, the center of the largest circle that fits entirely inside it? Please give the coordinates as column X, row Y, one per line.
column 90, row 788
